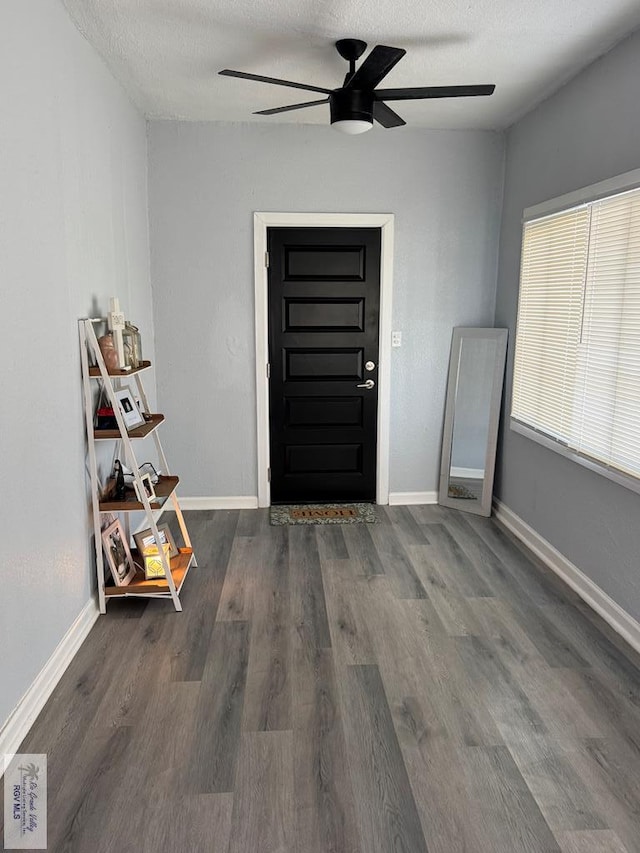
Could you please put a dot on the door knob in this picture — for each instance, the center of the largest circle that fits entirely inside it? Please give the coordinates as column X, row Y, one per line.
column 368, row 384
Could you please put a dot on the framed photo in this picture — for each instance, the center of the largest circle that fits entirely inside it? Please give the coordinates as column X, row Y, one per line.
column 129, row 408
column 147, row 486
column 116, row 549
column 145, row 539
column 153, row 565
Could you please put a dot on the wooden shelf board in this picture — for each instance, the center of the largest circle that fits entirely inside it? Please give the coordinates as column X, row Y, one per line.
column 164, row 488
column 180, row 566
column 94, row 372
column 139, row 432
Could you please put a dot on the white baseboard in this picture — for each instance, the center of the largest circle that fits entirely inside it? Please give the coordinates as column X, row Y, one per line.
column 251, row 502
column 622, row 622
column 16, row 728
column 232, row 502
column 412, row 498
column 468, row 473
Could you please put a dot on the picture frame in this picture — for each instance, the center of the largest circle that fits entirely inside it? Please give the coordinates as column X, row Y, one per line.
column 145, row 539
column 153, row 564
column 148, row 487
column 131, row 414
column 116, row 550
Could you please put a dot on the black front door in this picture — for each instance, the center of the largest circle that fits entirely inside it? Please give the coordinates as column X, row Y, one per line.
column 324, row 299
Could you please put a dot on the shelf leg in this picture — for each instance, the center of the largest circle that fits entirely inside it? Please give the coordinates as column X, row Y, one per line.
column 165, row 470
column 183, row 527
column 93, row 466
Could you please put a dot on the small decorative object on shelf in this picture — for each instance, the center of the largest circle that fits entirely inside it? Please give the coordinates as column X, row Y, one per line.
column 132, row 343
column 109, row 353
column 118, row 475
column 148, row 468
column 128, row 425
column 105, row 418
column 116, row 549
column 147, row 485
column 129, row 408
column 153, row 563
column 116, row 325
column 145, row 540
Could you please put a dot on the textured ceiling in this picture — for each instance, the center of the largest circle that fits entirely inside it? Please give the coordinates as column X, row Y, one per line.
column 167, row 52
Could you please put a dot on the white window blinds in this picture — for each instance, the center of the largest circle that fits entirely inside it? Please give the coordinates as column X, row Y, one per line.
column 577, row 359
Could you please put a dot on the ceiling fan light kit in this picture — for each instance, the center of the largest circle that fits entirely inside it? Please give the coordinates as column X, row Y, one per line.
column 357, row 104
column 351, row 110
column 352, row 126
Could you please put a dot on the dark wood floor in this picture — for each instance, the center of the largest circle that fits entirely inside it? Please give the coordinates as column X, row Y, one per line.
column 414, row 685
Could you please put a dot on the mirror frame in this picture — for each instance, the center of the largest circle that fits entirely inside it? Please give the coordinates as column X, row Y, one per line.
column 460, row 333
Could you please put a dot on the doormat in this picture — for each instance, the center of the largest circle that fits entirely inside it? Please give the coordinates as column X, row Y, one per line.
column 462, row 492
column 323, row 514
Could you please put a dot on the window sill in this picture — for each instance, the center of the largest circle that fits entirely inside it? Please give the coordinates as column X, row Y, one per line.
column 626, row 480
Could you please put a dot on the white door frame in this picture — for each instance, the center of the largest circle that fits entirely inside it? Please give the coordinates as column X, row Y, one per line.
column 262, row 221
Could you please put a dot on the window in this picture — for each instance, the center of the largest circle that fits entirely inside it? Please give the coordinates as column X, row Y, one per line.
column 576, row 383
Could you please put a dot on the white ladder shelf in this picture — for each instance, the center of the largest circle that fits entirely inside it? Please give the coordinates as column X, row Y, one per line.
column 175, row 568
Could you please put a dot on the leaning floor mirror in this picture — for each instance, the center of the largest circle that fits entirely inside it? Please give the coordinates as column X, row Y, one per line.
column 472, row 413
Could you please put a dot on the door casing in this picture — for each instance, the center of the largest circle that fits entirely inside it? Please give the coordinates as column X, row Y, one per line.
column 262, row 221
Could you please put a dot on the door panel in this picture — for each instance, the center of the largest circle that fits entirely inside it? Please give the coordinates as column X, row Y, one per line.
column 323, row 364
column 317, row 458
column 324, row 297
column 324, row 315
column 324, row 263
column 323, row 411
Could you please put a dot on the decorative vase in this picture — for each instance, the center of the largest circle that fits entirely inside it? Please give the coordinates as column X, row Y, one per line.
column 109, row 353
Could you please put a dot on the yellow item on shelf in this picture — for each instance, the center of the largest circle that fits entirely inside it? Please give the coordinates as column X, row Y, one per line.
column 153, row 567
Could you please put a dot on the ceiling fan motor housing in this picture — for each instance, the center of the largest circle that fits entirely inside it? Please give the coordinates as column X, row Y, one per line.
column 350, row 105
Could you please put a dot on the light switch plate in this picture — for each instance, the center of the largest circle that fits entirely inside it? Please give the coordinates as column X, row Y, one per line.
column 396, row 339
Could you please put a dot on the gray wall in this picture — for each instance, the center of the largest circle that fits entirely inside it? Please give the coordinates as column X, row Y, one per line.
column 73, row 230
column 205, row 182
column 589, row 131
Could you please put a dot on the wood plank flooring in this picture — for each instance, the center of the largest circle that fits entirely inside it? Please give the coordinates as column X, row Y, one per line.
column 415, row 686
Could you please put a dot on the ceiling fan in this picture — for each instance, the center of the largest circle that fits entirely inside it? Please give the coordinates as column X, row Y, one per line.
column 356, row 104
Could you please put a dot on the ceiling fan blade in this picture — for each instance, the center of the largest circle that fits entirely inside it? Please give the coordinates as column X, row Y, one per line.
column 432, row 92
column 385, row 116
column 275, row 110
column 376, row 66
column 244, row 76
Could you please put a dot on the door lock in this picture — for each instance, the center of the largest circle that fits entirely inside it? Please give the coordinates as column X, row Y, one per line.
column 370, row 365
column 368, row 384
